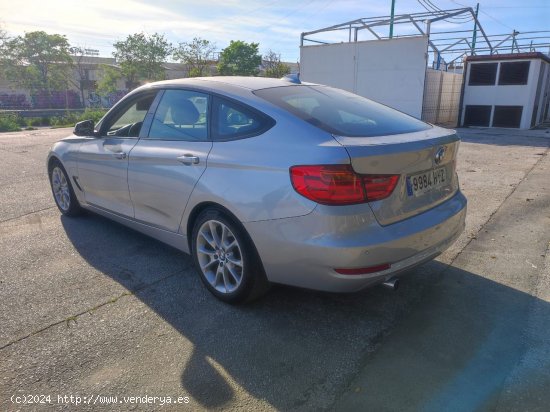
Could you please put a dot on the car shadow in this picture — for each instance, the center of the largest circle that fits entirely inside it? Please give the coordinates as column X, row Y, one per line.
column 298, row 349
column 505, row 137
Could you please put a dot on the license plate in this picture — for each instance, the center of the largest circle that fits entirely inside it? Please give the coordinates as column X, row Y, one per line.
column 424, row 182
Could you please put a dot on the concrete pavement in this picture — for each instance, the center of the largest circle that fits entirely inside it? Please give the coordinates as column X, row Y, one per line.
column 90, row 308
column 478, row 340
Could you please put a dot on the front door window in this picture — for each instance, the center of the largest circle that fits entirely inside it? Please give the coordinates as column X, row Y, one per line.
column 128, row 122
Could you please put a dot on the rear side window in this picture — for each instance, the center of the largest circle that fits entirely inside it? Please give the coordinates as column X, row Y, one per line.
column 341, row 113
column 232, row 120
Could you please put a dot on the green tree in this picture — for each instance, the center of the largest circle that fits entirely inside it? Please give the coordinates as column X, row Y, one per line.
column 3, row 37
column 273, row 66
column 196, row 55
column 240, row 59
column 141, row 57
column 37, row 61
column 81, row 68
column 109, row 78
column 3, row 52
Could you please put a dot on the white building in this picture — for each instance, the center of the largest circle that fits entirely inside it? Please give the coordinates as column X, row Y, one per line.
column 506, row 90
column 389, row 71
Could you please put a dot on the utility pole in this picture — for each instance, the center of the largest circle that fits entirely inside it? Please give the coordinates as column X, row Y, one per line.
column 475, row 31
column 391, row 17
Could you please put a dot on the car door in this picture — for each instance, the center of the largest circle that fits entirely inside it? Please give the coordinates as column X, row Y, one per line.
column 165, row 165
column 103, row 160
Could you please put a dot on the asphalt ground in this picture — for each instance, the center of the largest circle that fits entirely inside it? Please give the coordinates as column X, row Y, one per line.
column 92, row 309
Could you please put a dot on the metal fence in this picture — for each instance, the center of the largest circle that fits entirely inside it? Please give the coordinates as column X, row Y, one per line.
column 67, row 100
column 441, row 97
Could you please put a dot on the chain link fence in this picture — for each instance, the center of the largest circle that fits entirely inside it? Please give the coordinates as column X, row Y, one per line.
column 441, row 101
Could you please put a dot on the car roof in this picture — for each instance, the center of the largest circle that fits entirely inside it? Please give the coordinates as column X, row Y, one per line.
column 249, row 83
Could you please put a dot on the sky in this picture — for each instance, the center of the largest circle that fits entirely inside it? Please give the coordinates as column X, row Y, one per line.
column 274, row 24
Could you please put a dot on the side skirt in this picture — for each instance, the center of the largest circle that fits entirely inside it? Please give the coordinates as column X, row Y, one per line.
column 176, row 240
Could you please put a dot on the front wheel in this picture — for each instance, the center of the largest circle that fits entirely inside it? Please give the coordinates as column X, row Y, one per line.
column 226, row 259
column 63, row 193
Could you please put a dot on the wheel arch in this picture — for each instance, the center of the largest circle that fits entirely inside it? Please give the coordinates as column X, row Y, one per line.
column 53, row 159
column 75, row 205
column 200, row 207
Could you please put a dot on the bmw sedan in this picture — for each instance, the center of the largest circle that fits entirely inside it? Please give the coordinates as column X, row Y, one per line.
column 268, row 181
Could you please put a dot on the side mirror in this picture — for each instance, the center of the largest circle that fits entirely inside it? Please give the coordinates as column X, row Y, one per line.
column 85, row 128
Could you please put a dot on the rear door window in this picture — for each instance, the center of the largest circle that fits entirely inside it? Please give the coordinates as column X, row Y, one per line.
column 341, row 113
column 232, row 120
column 181, row 115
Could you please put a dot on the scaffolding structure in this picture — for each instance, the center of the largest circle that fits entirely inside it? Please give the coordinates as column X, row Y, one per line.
column 446, row 47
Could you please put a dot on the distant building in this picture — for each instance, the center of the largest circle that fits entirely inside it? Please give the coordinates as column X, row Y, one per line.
column 506, row 90
column 82, row 86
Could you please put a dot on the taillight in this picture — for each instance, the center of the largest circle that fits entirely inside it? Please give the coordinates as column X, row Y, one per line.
column 331, row 184
column 340, row 185
column 379, row 187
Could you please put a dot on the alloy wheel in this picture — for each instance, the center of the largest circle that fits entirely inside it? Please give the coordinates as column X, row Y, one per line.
column 220, row 257
column 60, row 188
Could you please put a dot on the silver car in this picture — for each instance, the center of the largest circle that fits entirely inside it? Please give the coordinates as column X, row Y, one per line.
column 268, row 181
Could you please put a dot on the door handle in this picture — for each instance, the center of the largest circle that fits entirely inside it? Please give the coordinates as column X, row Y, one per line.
column 120, row 155
column 188, row 159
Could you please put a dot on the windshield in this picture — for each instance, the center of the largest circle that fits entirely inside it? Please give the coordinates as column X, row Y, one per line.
column 341, row 113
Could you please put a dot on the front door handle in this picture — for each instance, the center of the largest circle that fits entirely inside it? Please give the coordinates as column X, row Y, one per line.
column 120, row 155
column 188, row 159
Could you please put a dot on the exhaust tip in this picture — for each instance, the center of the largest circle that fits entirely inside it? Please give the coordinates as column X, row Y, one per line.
column 392, row 283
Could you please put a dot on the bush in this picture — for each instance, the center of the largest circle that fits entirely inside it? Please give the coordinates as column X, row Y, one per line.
column 21, row 121
column 56, row 121
column 39, row 121
column 8, row 123
column 93, row 114
column 35, row 121
column 69, row 119
column 66, row 120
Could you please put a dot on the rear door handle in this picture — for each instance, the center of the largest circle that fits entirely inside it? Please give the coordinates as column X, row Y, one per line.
column 188, row 159
column 120, row 155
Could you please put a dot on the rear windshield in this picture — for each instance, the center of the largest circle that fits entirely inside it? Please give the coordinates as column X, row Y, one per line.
column 341, row 113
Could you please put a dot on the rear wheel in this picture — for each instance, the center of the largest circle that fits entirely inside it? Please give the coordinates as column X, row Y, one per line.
column 226, row 258
column 63, row 193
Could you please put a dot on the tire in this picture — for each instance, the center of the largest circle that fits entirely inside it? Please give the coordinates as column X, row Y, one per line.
column 226, row 258
column 62, row 191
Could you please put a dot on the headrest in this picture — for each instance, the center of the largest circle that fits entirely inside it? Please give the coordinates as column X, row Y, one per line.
column 183, row 111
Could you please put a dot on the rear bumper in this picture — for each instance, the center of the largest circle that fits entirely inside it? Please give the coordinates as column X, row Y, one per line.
column 304, row 251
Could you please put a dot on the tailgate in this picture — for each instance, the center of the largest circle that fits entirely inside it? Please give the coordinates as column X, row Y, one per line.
column 425, row 162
